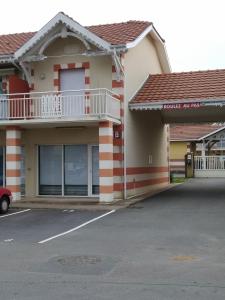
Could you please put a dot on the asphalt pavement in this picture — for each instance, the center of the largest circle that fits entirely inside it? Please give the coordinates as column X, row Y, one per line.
column 170, row 246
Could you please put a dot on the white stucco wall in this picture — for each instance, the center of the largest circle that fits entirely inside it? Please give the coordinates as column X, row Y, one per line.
column 145, row 134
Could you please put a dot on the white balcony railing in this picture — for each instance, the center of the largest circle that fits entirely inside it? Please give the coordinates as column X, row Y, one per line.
column 62, row 104
column 209, row 162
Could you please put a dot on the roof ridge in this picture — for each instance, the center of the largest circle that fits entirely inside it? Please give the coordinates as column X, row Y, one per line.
column 17, row 33
column 119, row 23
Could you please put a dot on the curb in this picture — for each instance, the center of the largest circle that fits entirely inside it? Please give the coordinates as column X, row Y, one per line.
column 50, row 204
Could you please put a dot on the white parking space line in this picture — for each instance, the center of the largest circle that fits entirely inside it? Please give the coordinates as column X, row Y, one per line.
column 76, row 228
column 15, row 213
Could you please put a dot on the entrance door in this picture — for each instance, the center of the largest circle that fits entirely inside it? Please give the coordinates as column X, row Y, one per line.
column 72, row 102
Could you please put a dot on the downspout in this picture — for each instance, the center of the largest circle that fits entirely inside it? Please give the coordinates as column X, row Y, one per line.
column 125, row 104
column 120, row 71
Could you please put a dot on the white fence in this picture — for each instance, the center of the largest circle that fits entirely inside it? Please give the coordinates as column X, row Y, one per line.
column 209, row 166
column 62, row 104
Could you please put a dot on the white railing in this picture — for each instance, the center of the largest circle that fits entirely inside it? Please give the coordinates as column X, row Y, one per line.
column 62, row 104
column 209, row 162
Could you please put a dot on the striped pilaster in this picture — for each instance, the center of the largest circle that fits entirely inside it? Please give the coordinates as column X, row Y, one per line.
column 118, row 141
column 13, row 161
column 106, row 161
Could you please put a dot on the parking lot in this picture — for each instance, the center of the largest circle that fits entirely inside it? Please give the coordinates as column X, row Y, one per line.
column 41, row 226
column 171, row 246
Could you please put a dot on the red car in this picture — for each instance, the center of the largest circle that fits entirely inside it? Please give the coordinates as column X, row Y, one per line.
column 5, row 200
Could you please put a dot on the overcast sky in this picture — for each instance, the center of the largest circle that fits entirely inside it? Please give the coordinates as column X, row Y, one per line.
column 193, row 29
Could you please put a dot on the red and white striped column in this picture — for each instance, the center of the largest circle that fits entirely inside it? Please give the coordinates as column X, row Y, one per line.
column 118, row 149
column 13, row 161
column 106, row 161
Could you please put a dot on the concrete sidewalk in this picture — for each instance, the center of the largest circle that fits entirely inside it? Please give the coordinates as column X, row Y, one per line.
column 83, row 203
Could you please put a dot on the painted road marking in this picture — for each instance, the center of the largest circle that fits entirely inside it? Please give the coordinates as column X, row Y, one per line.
column 9, row 240
column 76, row 228
column 15, row 213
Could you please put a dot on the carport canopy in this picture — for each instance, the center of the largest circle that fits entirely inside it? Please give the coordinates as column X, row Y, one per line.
column 187, row 97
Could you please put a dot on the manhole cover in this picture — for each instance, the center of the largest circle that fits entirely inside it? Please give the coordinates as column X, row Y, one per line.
column 184, row 258
column 78, row 260
column 79, row 264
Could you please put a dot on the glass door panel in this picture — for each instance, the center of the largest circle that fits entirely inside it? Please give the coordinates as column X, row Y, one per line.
column 50, row 170
column 75, row 170
column 95, row 170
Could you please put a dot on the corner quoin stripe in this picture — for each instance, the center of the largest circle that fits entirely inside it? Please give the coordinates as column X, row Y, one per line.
column 106, row 161
column 13, row 161
column 118, row 143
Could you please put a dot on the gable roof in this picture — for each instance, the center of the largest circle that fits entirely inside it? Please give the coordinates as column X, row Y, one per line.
column 194, row 132
column 114, row 34
column 185, row 86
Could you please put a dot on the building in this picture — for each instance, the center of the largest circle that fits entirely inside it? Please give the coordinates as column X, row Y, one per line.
column 200, row 139
column 65, row 124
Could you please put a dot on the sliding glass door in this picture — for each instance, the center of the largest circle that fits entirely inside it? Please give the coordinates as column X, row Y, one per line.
column 64, row 170
column 50, row 170
column 75, row 170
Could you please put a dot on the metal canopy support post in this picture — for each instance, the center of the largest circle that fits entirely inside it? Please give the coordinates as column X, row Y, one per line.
column 203, row 155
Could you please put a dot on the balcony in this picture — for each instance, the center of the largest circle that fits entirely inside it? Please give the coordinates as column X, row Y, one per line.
column 61, row 106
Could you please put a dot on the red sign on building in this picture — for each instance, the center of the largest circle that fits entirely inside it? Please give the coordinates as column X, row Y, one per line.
column 182, row 105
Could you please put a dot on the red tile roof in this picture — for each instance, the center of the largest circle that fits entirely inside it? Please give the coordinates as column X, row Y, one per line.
column 11, row 42
column 192, row 132
column 118, row 33
column 182, row 86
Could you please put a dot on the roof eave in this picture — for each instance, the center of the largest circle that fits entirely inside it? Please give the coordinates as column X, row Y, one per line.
column 211, row 133
column 159, row 104
column 160, row 45
column 184, row 140
column 7, row 58
column 149, row 29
